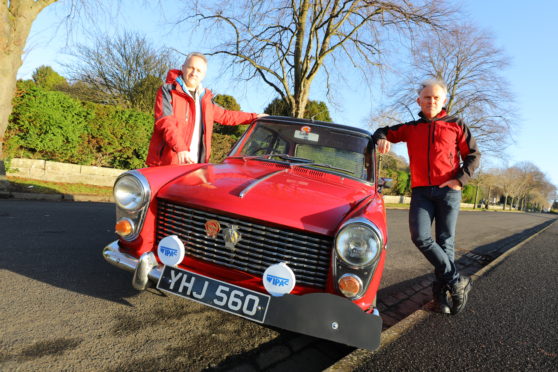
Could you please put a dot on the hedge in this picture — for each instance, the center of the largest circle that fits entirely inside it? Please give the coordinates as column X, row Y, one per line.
column 51, row 125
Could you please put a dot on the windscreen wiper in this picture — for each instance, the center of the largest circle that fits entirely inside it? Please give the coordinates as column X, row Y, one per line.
column 286, row 157
column 309, row 162
column 291, row 158
column 294, row 161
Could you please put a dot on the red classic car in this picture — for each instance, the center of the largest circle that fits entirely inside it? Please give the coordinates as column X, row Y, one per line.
column 289, row 230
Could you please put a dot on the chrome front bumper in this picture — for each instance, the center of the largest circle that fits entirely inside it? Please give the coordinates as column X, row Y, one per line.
column 320, row 315
column 145, row 268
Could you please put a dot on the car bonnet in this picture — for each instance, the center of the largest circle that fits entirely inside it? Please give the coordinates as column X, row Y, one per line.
column 276, row 193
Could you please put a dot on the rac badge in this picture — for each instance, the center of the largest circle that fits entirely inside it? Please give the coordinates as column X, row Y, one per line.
column 212, row 228
column 232, row 236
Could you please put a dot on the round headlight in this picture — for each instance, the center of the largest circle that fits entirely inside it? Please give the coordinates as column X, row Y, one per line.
column 357, row 244
column 129, row 193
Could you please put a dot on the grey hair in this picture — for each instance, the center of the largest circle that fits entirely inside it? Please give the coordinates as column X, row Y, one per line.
column 195, row 54
column 431, row 83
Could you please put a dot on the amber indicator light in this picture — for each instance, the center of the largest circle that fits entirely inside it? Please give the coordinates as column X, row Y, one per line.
column 123, row 227
column 349, row 286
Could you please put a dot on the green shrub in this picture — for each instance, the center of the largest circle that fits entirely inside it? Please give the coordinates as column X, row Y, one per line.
column 316, row 110
column 45, row 124
column 229, row 103
column 403, row 185
column 53, row 126
column 119, row 137
column 48, row 79
column 468, row 194
column 221, row 145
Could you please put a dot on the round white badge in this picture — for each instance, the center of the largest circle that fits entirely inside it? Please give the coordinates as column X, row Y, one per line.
column 171, row 250
column 279, row 279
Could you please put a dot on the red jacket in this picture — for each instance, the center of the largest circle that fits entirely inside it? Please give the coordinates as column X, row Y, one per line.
column 434, row 148
column 174, row 124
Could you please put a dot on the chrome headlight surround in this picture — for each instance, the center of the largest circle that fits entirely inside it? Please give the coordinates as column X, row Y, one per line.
column 358, row 245
column 132, row 194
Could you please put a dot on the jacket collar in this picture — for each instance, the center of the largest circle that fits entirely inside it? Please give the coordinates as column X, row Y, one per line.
column 440, row 115
column 172, row 78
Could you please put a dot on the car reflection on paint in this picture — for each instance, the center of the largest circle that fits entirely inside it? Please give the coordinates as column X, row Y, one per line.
column 288, row 231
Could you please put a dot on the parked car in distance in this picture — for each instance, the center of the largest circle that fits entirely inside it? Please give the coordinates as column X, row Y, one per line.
column 288, row 231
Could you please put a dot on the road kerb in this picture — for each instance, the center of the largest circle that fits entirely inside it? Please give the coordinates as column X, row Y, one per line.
column 57, row 197
column 393, row 333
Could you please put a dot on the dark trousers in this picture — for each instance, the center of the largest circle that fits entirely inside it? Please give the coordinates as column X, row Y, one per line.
column 430, row 204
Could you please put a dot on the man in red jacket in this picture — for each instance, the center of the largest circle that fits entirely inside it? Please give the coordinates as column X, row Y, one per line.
column 184, row 117
column 435, row 143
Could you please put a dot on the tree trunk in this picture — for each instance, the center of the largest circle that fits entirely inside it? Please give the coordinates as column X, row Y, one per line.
column 16, row 18
column 299, row 70
column 476, row 197
column 301, row 99
column 9, row 65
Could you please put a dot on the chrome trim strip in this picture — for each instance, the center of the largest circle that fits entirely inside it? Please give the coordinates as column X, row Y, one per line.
column 114, row 256
column 258, row 181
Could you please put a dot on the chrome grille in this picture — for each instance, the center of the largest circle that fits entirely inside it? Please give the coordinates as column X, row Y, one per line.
column 261, row 246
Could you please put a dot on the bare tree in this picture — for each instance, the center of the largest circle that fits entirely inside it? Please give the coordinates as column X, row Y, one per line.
column 287, row 43
column 467, row 60
column 127, row 68
column 527, row 186
column 16, row 18
column 490, row 183
column 505, row 184
column 536, row 187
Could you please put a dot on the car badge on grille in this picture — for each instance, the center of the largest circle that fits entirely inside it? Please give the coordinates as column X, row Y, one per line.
column 231, row 236
column 212, row 228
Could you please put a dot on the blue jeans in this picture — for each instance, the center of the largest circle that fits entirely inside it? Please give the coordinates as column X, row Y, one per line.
column 431, row 203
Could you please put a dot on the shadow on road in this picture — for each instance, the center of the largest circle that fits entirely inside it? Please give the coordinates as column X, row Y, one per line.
column 494, row 249
column 465, row 257
column 60, row 244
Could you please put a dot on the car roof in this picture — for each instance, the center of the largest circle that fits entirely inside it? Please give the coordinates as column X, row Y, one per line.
column 297, row 121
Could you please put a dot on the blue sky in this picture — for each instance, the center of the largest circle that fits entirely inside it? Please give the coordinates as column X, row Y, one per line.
column 527, row 32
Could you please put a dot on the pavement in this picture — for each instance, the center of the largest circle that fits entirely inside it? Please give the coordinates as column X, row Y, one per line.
column 510, row 322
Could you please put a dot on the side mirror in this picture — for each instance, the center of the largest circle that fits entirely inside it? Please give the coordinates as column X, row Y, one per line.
column 384, row 183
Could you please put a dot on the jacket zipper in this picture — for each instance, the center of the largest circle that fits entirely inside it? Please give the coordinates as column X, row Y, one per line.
column 430, row 134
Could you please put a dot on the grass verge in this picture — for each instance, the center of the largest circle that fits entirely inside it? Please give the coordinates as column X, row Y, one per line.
column 17, row 184
column 406, row 206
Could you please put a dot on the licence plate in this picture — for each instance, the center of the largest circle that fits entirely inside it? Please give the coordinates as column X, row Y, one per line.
column 215, row 293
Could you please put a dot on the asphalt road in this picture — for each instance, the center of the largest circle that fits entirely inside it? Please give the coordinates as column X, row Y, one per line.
column 64, row 308
column 510, row 323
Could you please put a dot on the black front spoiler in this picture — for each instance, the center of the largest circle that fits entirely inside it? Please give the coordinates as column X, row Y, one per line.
column 321, row 315
column 326, row 316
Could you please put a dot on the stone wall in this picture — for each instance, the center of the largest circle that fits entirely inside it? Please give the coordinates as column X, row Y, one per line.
column 61, row 172
column 71, row 173
column 397, row 199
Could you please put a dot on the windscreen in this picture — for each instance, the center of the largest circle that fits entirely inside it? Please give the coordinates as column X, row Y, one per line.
column 317, row 146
